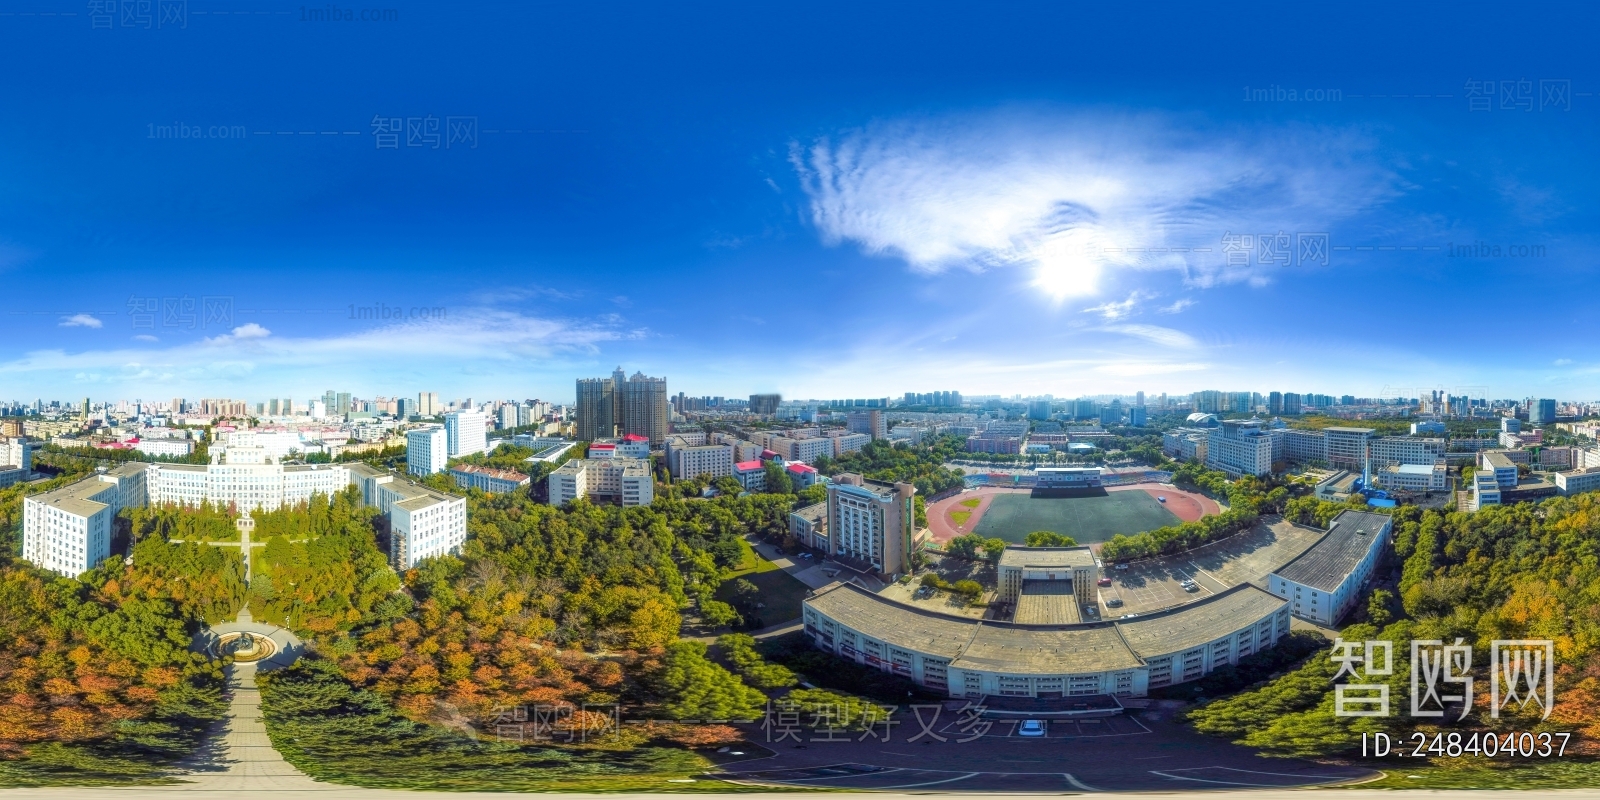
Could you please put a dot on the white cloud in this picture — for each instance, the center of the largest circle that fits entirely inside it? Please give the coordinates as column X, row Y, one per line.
column 1177, row 306
column 1113, row 310
column 145, row 337
column 475, row 339
column 1562, row 362
column 1071, row 196
column 81, row 321
column 1166, row 337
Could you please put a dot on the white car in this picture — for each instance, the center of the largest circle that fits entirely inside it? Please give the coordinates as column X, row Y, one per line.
column 1031, row 727
column 1122, row 566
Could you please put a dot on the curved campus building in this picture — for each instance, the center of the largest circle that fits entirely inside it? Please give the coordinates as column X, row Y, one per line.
column 968, row 657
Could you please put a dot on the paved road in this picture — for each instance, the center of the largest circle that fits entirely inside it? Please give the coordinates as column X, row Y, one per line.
column 240, row 757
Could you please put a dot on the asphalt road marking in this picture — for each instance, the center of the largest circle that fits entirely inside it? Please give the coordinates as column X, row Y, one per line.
column 1077, row 784
column 931, row 783
column 1276, row 774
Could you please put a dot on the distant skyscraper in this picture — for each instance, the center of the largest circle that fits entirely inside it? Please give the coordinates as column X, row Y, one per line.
column 1542, row 412
column 596, row 412
column 330, row 400
column 766, row 404
column 1138, row 399
column 405, row 408
column 1275, row 403
column 343, row 399
column 643, row 404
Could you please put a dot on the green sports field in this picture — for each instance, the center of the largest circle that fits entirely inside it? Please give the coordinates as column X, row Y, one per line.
column 1088, row 519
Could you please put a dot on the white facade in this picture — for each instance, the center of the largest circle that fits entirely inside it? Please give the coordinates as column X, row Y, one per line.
column 1324, row 583
column 16, row 452
column 493, row 481
column 422, row 522
column 1386, row 450
column 968, row 658
column 1414, row 477
column 871, row 522
column 624, row 480
column 1304, row 446
column 427, row 450
column 1501, row 466
column 687, row 459
column 68, row 531
column 247, row 487
column 466, row 432
column 1485, row 491
column 1578, row 481
column 1240, row 448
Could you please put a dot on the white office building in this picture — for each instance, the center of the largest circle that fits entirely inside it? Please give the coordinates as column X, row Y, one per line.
column 872, row 522
column 16, row 452
column 427, row 450
column 68, row 531
column 1386, row 450
column 1578, row 481
column 422, row 522
column 1324, row 583
column 1240, row 448
column 1499, row 463
column 686, row 460
column 626, row 481
column 247, row 487
column 466, row 432
column 1413, row 477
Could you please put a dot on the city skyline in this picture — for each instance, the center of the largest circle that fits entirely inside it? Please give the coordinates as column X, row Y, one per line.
column 1063, row 225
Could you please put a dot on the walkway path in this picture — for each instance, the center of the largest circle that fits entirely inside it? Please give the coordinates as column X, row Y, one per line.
column 240, row 757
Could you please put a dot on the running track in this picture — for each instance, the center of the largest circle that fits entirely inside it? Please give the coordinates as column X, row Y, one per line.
column 1188, row 506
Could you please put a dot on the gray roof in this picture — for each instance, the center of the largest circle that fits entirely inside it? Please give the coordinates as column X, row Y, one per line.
column 1046, row 557
column 1197, row 623
column 1499, row 460
column 1337, row 429
column 1044, row 649
column 1327, row 563
column 814, row 513
column 1047, row 603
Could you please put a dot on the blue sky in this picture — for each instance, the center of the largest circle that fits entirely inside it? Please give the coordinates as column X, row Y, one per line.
column 829, row 200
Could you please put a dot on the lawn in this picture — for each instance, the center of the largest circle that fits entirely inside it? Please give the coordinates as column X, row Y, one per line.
column 960, row 517
column 1088, row 519
column 973, row 503
column 780, row 592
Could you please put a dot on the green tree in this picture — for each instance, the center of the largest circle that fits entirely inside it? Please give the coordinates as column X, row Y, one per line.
column 1050, row 539
column 695, row 688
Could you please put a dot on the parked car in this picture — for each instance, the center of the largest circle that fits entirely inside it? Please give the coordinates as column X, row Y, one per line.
column 1190, row 586
column 1122, row 566
column 1115, row 602
column 1031, row 727
column 1161, row 497
column 1105, row 581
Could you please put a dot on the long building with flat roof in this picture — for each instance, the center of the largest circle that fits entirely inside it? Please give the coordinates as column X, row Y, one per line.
column 1324, row 582
column 972, row 658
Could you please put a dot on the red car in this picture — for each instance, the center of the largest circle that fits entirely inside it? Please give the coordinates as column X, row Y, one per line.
column 1105, row 581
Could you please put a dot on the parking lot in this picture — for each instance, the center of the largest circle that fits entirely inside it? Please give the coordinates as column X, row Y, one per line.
column 1155, row 584
column 1143, row 751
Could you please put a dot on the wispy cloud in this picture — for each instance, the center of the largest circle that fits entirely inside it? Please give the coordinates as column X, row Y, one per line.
column 1113, row 310
column 1177, row 306
column 1562, row 362
column 81, row 321
column 1071, row 196
column 1166, row 337
column 472, row 339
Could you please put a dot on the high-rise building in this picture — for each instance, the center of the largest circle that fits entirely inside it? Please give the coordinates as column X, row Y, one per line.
column 1275, row 403
column 343, row 399
column 69, row 530
column 870, row 422
column 596, row 412
column 765, row 404
column 1039, row 409
column 427, row 450
column 405, row 408
column 643, row 406
column 330, row 401
column 872, row 522
column 466, row 432
column 1542, row 412
column 427, row 403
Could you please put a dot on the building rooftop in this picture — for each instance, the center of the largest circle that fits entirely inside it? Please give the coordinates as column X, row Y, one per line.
column 1200, row 622
column 749, row 466
column 1415, row 469
column 1327, row 563
column 1337, row 429
column 813, row 513
column 795, row 466
column 1024, row 648
column 634, row 437
column 1046, row 557
column 1499, row 460
column 1047, row 603
column 498, row 474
